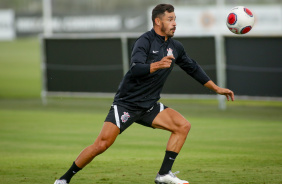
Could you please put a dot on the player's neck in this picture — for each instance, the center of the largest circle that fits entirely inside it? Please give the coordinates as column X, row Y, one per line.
column 159, row 32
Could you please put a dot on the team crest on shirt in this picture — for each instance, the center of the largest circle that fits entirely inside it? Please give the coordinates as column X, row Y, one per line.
column 125, row 117
column 169, row 52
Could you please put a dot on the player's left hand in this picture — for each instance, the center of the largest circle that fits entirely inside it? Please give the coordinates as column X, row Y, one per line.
column 222, row 91
column 227, row 92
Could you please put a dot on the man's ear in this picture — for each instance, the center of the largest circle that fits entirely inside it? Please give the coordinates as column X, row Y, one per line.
column 158, row 21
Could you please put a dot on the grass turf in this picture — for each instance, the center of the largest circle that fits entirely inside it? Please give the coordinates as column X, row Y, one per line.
column 241, row 145
column 20, row 69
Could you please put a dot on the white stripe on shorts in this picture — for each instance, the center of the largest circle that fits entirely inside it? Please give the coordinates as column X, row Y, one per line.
column 161, row 107
column 117, row 116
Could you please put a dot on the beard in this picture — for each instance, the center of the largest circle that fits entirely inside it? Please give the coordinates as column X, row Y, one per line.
column 167, row 31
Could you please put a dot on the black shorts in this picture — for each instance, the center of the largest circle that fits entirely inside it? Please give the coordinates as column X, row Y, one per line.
column 123, row 117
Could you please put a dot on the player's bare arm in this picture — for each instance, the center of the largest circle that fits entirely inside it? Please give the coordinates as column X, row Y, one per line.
column 222, row 91
column 165, row 62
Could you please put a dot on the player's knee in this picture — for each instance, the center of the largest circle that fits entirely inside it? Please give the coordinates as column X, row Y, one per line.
column 185, row 127
column 100, row 147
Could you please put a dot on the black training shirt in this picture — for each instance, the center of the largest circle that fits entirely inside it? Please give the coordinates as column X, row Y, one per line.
column 139, row 88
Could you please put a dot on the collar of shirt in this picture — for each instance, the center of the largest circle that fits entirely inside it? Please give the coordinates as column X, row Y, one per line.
column 161, row 38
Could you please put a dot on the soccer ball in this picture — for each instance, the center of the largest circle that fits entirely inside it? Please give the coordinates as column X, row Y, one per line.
column 240, row 20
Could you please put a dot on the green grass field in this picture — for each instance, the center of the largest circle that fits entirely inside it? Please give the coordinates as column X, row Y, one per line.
column 242, row 145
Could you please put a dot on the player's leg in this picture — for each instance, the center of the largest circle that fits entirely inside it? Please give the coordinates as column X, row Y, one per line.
column 179, row 127
column 174, row 122
column 105, row 139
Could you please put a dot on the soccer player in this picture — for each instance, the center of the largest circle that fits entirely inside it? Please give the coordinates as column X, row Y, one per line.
column 153, row 57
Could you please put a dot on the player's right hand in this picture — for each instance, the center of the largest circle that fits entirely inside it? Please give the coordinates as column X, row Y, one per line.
column 165, row 62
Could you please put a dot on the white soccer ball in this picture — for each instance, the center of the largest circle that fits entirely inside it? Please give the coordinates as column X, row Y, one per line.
column 240, row 20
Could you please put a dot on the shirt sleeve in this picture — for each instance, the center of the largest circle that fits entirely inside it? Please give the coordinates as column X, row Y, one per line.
column 191, row 67
column 138, row 65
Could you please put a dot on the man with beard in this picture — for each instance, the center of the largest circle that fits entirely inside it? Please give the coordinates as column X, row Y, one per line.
column 153, row 57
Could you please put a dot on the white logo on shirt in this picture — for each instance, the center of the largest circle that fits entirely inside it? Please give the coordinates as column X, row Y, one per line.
column 169, row 52
column 155, row 52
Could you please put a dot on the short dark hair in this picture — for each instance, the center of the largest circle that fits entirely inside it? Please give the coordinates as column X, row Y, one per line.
column 160, row 10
